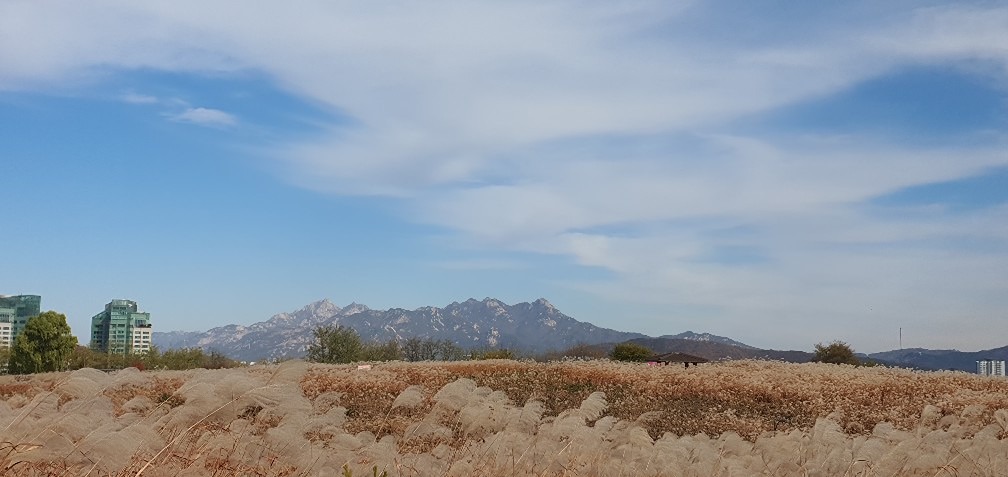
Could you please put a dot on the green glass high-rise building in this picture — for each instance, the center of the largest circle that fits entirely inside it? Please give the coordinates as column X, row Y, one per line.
column 121, row 329
column 15, row 311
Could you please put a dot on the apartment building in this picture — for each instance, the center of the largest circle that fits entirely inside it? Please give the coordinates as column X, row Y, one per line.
column 121, row 329
column 15, row 311
column 991, row 367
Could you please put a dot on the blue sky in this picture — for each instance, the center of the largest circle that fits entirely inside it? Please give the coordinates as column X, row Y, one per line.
column 779, row 174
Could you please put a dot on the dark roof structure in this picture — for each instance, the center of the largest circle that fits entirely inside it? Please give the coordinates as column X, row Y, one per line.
column 679, row 358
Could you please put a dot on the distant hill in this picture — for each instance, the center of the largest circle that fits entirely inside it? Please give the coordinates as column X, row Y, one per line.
column 921, row 358
column 706, row 337
column 716, row 350
column 534, row 327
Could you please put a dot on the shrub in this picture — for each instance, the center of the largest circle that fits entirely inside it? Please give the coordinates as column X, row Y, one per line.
column 631, row 352
column 502, row 353
column 836, row 352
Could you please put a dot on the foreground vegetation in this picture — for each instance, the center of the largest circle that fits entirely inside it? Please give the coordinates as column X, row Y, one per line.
column 504, row 417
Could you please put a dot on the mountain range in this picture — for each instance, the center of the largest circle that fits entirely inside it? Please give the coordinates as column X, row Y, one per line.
column 932, row 359
column 529, row 328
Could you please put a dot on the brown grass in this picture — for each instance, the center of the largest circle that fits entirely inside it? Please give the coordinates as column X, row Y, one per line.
column 747, row 397
column 483, row 418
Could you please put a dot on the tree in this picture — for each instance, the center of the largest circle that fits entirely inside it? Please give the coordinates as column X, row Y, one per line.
column 498, row 353
column 446, row 350
column 335, row 344
column 631, row 352
column 4, row 358
column 85, row 357
column 584, row 351
column 378, row 351
column 413, row 349
column 836, row 352
column 44, row 345
column 416, row 349
column 152, row 359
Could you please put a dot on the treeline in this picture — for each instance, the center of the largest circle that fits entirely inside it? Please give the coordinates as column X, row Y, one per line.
column 46, row 344
column 342, row 344
column 174, row 359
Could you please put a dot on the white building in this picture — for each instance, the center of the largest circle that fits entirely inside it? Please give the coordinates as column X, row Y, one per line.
column 991, row 367
column 6, row 334
column 141, row 339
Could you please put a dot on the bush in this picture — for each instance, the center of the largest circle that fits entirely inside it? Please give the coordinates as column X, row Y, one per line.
column 631, row 352
column 836, row 352
column 502, row 353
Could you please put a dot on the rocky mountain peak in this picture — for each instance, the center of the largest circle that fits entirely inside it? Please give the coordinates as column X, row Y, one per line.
column 546, row 304
column 321, row 307
column 353, row 308
column 707, row 337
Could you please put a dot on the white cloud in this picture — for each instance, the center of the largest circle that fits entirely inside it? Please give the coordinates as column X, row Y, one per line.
column 205, row 117
column 596, row 132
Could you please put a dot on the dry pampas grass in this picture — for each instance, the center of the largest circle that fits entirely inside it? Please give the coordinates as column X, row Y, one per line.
column 505, row 418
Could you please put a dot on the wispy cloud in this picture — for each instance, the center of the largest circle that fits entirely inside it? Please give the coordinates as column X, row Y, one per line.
column 179, row 110
column 136, row 98
column 481, row 264
column 205, row 117
column 605, row 133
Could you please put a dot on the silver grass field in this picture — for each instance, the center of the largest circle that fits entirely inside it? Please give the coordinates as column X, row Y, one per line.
column 502, row 417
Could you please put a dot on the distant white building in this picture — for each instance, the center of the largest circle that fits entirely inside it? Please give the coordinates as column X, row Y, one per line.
column 991, row 367
column 6, row 334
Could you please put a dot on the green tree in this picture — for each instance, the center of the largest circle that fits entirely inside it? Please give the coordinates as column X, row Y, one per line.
column 631, row 352
column 836, row 352
column 183, row 358
column 85, row 357
column 152, row 359
column 44, row 345
column 378, row 351
column 4, row 358
column 218, row 360
column 335, row 344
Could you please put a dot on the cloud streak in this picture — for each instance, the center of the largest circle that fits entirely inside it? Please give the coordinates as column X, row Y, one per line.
column 205, row 117
column 605, row 134
column 136, row 98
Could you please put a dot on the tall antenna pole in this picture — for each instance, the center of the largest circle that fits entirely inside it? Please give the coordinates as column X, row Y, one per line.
column 901, row 337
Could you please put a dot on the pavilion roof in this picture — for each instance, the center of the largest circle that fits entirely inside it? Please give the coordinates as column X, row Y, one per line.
column 679, row 358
